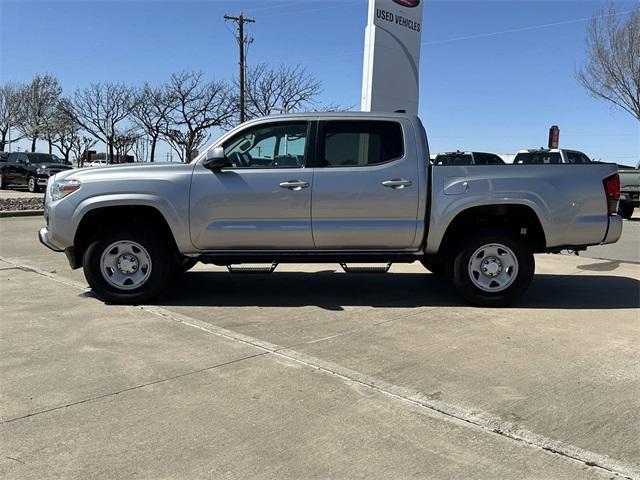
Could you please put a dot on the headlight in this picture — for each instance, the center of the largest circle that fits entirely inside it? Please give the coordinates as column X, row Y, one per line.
column 41, row 170
column 62, row 188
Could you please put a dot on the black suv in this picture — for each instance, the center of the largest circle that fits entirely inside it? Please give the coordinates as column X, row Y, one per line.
column 467, row 158
column 30, row 169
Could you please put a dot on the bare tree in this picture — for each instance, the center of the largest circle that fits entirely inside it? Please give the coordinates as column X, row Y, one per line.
column 141, row 148
column 38, row 101
column 124, row 141
column 151, row 113
column 612, row 71
column 10, row 98
column 63, row 132
column 100, row 108
column 282, row 89
column 198, row 105
column 81, row 147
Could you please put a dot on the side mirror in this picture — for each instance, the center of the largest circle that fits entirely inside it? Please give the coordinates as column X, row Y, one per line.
column 216, row 159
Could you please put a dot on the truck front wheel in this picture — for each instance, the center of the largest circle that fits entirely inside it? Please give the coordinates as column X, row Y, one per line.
column 493, row 270
column 127, row 267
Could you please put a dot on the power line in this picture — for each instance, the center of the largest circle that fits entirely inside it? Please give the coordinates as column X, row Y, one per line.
column 242, row 43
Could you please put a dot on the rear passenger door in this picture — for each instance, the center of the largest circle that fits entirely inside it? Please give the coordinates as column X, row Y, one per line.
column 366, row 191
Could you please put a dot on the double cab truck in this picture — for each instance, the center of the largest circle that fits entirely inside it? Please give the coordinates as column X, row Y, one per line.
column 349, row 188
column 31, row 170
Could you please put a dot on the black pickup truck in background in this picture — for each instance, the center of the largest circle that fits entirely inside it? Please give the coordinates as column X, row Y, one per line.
column 30, row 169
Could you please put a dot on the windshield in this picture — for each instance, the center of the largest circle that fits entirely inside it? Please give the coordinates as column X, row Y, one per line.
column 44, row 158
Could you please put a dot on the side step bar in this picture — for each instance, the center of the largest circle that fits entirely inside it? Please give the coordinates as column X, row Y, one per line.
column 349, row 269
column 245, row 270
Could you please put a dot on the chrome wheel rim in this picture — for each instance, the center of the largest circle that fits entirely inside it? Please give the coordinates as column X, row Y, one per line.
column 493, row 267
column 125, row 265
column 32, row 184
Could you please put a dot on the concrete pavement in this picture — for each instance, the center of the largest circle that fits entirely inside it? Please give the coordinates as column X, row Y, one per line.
column 310, row 373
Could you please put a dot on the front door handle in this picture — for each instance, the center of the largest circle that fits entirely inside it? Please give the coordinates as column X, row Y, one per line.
column 397, row 183
column 294, row 185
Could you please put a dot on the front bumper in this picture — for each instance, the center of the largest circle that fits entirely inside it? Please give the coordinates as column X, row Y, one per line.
column 614, row 231
column 70, row 252
column 43, row 236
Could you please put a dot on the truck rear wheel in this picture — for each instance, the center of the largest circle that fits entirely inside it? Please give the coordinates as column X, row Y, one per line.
column 492, row 270
column 625, row 210
column 127, row 267
column 3, row 182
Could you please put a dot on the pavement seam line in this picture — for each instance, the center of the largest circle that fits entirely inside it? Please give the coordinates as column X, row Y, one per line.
column 136, row 387
column 483, row 420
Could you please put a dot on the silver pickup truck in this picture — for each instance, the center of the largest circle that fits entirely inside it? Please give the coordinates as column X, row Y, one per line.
column 349, row 188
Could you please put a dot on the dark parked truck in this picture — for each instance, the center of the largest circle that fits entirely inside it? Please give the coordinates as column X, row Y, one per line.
column 629, row 191
column 349, row 188
column 30, row 169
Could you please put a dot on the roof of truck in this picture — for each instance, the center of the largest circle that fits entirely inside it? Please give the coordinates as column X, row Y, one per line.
column 339, row 115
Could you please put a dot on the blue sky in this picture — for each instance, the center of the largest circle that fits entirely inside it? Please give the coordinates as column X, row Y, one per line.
column 483, row 87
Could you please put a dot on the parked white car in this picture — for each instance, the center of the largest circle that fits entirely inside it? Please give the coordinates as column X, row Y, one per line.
column 98, row 163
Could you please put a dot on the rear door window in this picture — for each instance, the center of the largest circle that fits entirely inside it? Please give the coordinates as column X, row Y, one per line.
column 361, row 143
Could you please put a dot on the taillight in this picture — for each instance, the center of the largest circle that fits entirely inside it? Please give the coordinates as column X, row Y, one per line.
column 612, row 190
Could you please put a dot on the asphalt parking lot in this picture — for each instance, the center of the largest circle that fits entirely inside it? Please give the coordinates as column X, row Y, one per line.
column 313, row 373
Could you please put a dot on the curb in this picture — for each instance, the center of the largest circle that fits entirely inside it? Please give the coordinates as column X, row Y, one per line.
column 20, row 213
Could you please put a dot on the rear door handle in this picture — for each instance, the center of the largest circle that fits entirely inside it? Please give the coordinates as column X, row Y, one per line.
column 397, row 183
column 294, row 185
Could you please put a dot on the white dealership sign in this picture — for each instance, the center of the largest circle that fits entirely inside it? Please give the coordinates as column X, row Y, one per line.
column 390, row 77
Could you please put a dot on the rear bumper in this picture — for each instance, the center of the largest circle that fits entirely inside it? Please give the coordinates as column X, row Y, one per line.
column 632, row 198
column 615, row 229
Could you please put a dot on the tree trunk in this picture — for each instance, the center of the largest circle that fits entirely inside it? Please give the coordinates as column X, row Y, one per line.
column 110, row 147
column 3, row 141
column 50, row 146
column 154, row 140
column 33, row 143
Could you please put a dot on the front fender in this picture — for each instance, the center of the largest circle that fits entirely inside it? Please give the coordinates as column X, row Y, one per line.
column 176, row 219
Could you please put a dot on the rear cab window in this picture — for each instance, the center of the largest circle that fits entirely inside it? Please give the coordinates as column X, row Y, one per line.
column 454, row 159
column 538, row 158
column 361, row 143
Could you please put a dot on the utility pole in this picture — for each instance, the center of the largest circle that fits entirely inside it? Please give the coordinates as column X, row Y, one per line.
column 240, row 21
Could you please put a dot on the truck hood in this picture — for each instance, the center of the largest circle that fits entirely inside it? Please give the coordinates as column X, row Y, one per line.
column 129, row 171
column 57, row 166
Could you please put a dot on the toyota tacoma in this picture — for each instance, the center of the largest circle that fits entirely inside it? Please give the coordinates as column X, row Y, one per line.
column 350, row 188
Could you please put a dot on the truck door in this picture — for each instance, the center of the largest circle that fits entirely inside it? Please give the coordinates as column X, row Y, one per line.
column 262, row 200
column 366, row 191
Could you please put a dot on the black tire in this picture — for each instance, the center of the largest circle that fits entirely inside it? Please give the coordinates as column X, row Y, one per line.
column 32, row 184
column 3, row 183
column 436, row 267
column 462, row 277
column 160, row 271
column 625, row 210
